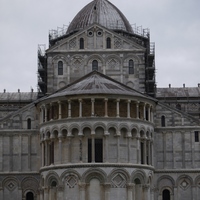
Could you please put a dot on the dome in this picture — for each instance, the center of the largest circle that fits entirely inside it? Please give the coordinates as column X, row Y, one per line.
column 102, row 12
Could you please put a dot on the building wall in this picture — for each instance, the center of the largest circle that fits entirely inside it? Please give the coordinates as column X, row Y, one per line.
column 112, row 61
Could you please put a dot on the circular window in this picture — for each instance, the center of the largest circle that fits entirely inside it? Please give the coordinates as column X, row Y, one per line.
column 90, row 33
column 99, row 33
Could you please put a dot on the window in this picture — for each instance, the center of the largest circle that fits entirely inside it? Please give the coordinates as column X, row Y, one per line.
column 53, row 184
column 28, row 123
column 196, row 136
column 98, row 151
column 178, row 106
column 95, row 65
column 60, row 68
column 81, row 43
column 51, row 155
column 108, row 43
column 166, row 195
column 147, row 115
column 29, row 196
column 163, row 121
column 142, row 152
column 131, row 67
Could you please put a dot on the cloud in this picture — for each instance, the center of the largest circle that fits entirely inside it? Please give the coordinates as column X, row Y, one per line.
column 174, row 25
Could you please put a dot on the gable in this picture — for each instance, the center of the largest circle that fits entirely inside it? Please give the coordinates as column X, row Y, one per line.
column 98, row 38
column 97, row 83
column 173, row 117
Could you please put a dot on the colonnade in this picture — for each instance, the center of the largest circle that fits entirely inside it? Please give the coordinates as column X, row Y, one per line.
column 124, row 108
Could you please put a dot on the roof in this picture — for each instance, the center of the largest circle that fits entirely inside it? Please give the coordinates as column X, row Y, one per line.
column 96, row 83
column 102, row 12
column 18, row 96
column 178, row 92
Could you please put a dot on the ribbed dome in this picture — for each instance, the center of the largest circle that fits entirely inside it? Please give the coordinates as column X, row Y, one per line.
column 102, row 12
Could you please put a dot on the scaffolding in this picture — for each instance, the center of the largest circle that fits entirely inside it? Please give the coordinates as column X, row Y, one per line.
column 42, row 70
column 150, row 71
column 62, row 32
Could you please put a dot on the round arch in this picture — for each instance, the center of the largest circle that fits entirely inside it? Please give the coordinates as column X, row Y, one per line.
column 94, row 173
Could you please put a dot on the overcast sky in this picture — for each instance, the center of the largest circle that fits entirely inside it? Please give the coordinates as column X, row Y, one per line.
column 174, row 27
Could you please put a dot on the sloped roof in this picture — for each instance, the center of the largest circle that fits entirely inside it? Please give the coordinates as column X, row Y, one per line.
column 102, row 12
column 18, row 96
column 178, row 92
column 96, row 83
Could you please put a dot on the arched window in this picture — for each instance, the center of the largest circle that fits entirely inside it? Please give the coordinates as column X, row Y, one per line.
column 163, row 121
column 28, row 123
column 95, row 65
column 29, row 196
column 53, row 184
column 166, row 195
column 131, row 67
column 81, row 43
column 108, row 43
column 60, row 68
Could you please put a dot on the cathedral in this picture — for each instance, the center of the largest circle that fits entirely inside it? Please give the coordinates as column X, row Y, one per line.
column 99, row 128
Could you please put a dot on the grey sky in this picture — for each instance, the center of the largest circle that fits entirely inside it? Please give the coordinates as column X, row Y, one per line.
column 174, row 26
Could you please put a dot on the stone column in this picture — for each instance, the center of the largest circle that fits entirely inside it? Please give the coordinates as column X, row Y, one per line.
column 152, row 120
column 106, row 107
column 149, row 152
column 46, row 153
column 92, row 100
column 60, row 190
column 41, row 194
column 129, row 146
column 138, row 149
column 69, row 149
column 51, row 111
column 45, row 113
column 60, row 150
column 145, row 152
column 69, row 108
column 80, row 147
column 128, row 109
column 42, row 154
column 46, row 194
column 133, row 191
column 82, row 190
column 175, row 193
column 149, row 114
column 146, row 192
column 41, row 114
column 80, row 107
column 1, row 193
column 59, row 110
column 144, row 112
column 130, row 191
column 137, row 110
column 68, row 72
column 107, row 187
column 118, row 100
column 194, row 192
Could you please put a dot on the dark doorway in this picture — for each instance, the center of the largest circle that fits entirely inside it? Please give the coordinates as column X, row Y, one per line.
column 166, row 195
column 29, row 196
